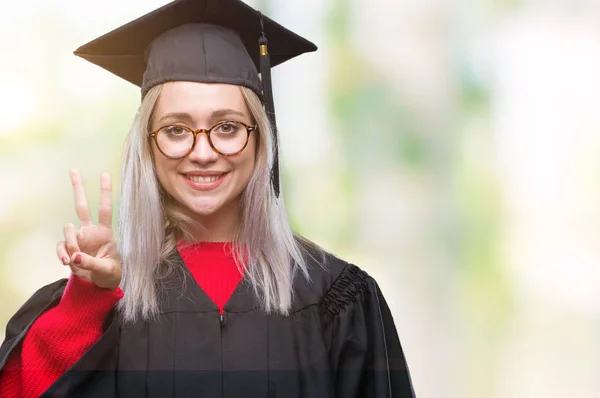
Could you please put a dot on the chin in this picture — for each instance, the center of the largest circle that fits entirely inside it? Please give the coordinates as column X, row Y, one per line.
column 204, row 209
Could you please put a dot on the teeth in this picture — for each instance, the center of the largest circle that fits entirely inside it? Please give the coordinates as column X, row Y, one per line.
column 204, row 180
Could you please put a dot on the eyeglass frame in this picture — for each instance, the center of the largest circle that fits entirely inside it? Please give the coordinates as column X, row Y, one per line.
column 249, row 129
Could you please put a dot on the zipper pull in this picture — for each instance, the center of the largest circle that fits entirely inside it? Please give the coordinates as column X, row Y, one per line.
column 223, row 319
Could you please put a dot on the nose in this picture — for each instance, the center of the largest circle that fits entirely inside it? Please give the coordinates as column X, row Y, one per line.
column 202, row 151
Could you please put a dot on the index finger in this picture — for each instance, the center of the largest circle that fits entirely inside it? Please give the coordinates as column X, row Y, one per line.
column 81, row 205
column 105, row 209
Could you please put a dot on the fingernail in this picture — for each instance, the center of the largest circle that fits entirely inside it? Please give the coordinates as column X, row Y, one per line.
column 65, row 260
column 77, row 259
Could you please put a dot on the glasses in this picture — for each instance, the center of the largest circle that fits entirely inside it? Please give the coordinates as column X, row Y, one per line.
column 227, row 138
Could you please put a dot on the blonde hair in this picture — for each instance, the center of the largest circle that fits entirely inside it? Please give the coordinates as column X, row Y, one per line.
column 151, row 222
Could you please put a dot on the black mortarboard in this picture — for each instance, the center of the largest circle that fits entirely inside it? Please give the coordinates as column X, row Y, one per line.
column 209, row 41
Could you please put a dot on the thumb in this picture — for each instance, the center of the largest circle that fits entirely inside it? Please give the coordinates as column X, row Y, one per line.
column 90, row 263
column 104, row 272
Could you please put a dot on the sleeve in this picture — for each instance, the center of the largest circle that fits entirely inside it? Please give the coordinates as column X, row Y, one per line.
column 45, row 298
column 58, row 339
column 365, row 353
column 93, row 372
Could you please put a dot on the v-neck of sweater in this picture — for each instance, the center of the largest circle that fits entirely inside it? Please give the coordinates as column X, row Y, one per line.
column 213, row 267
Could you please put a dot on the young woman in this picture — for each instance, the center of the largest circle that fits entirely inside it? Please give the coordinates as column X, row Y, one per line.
column 207, row 292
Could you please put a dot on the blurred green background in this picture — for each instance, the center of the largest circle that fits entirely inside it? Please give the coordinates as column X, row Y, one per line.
column 451, row 149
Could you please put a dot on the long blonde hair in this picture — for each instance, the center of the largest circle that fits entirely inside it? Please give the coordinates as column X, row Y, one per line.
column 151, row 222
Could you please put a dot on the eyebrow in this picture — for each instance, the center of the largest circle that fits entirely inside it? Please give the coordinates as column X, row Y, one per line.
column 188, row 117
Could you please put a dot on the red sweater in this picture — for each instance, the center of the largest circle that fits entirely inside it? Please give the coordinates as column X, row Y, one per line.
column 60, row 336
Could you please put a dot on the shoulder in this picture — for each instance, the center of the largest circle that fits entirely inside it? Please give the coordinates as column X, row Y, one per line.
column 42, row 299
column 333, row 282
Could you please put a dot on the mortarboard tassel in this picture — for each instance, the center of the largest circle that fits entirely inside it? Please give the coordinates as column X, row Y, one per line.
column 265, row 72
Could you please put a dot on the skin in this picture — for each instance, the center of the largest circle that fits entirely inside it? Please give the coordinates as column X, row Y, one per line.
column 202, row 105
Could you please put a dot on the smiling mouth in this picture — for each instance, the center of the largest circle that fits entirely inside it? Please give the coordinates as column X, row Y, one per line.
column 204, row 179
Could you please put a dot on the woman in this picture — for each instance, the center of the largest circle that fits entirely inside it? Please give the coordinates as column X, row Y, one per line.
column 209, row 293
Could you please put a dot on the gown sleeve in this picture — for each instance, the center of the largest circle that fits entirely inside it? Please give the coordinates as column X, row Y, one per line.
column 94, row 374
column 365, row 354
column 45, row 298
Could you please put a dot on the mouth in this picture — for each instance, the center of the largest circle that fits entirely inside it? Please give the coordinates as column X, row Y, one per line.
column 204, row 183
column 204, row 179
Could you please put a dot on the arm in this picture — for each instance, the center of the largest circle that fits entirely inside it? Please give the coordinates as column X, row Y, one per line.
column 58, row 339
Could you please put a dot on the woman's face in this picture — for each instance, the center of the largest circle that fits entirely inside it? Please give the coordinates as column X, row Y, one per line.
column 219, row 180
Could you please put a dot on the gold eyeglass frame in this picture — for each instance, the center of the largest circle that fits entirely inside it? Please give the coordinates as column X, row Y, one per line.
column 249, row 129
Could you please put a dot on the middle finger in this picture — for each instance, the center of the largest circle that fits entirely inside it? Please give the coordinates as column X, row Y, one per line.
column 81, row 205
column 105, row 210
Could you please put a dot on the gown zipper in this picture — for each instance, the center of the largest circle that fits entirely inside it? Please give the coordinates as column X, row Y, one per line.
column 223, row 322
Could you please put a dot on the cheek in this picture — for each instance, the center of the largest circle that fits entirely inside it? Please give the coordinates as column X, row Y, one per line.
column 164, row 168
column 250, row 161
column 244, row 166
column 158, row 164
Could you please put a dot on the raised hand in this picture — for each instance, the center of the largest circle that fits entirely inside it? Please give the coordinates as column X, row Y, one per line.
column 91, row 250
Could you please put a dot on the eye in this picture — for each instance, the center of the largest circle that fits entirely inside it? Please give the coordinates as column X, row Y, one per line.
column 175, row 130
column 228, row 128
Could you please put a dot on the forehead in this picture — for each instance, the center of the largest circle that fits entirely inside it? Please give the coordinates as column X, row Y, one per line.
column 199, row 99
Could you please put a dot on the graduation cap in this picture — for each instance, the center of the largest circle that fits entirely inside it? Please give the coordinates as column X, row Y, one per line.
column 208, row 41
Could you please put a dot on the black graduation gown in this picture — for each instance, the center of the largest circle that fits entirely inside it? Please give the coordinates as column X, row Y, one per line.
column 338, row 341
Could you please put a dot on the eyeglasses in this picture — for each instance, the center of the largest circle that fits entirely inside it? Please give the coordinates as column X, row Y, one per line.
column 227, row 138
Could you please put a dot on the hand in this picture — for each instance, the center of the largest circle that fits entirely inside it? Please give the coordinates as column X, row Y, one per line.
column 91, row 251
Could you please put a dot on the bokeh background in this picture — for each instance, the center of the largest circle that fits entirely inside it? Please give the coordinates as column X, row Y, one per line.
column 451, row 149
